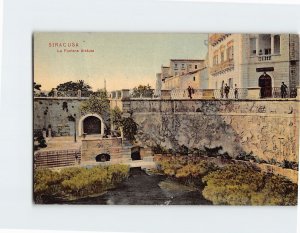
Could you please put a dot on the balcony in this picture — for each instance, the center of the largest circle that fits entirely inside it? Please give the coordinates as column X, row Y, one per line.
column 223, row 67
column 216, row 38
column 264, row 57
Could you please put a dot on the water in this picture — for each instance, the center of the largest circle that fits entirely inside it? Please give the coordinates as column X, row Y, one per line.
column 143, row 189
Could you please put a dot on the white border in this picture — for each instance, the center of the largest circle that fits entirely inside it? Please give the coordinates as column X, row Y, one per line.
column 22, row 17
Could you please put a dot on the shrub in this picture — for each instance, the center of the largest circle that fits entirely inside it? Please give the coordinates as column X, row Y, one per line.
column 243, row 185
column 77, row 182
column 46, row 182
column 187, row 169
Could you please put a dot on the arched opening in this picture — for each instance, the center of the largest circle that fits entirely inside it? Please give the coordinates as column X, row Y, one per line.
column 91, row 125
column 265, row 84
column 102, row 157
column 135, row 153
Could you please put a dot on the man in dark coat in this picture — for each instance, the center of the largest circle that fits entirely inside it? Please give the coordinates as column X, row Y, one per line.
column 283, row 90
column 190, row 92
column 226, row 90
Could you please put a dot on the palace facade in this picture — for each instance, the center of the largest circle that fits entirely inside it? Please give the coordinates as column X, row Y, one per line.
column 253, row 61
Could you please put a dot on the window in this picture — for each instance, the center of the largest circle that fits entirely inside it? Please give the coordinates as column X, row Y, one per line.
column 182, row 66
column 229, row 52
column 194, row 78
column 277, row 44
column 215, row 60
column 222, row 57
column 176, row 66
column 196, row 67
column 190, row 66
column 252, row 46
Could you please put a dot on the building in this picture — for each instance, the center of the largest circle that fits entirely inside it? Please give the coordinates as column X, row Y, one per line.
column 260, row 61
column 182, row 73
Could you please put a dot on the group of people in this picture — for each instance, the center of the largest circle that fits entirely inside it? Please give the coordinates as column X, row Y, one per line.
column 226, row 89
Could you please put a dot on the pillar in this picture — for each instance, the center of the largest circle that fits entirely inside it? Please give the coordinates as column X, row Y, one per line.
column 257, row 45
column 272, row 44
column 79, row 94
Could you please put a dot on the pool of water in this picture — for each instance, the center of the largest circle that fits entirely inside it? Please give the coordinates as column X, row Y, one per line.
column 144, row 189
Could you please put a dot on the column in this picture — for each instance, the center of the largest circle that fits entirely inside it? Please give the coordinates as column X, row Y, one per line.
column 257, row 45
column 272, row 44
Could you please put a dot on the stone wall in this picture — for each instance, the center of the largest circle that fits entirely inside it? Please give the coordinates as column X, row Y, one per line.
column 91, row 147
column 55, row 112
column 267, row 128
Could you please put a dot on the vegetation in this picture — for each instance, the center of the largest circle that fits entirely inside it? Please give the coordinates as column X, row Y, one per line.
column 142, row 91
column 36, row 87
column 243, row 185
column 37, row 90
column 39, row 140
column 129, row 128
column 186, row 169
column 73, row 86
column 233, row 184
column 116, row 117
column 97, row 103
column 77, row 182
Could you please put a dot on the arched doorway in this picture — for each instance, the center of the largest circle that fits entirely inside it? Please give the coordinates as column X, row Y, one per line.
column 265, row 84
column 92, row 125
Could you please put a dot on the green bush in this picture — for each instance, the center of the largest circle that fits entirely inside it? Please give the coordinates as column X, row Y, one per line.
column 188, row 169
column 46, row 182
column 243, row 185
column 77, row 182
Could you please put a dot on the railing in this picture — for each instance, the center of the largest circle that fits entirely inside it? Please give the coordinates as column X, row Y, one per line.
column 242, row 93
column 184, row 94
column 224, row 66
column 57, row 158
column 264, row 58
column 237, row 93
column 289, row 93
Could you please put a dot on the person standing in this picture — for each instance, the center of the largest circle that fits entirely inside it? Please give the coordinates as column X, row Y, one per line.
column 190, row 92
column 283, row 90
column 226, row 89
column 236, row 93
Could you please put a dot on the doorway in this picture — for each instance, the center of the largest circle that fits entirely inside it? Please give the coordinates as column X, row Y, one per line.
column 265, row 84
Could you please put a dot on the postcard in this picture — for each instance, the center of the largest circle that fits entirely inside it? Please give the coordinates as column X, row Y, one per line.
column 165, row 118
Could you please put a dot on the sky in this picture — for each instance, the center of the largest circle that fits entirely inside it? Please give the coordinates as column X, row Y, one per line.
column 124, row 60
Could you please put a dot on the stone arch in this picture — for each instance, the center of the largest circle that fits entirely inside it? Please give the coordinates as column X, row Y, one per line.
column 89, row 116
